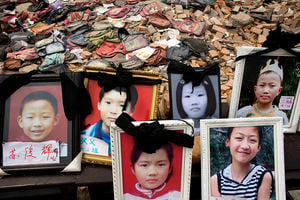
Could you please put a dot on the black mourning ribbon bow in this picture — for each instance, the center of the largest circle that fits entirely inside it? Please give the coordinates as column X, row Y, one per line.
column 277, row 40
column 122, row 79
column 149, row 137
column 196, row 77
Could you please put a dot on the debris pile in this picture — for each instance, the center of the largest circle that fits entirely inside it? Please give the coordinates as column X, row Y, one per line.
column 77, row 35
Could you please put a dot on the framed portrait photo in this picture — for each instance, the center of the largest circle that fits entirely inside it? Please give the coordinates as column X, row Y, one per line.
column 251, row 93
column 35, row 132
column 242, row 158
column 107, row 105
column 132, row 168
column 194, row 92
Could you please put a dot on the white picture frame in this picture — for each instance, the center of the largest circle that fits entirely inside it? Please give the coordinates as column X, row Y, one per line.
column 246, row 75
column 122, row 180
column 210, row 132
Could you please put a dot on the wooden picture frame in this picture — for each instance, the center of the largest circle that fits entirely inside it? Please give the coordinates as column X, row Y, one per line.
column 122, row 146
column 216, row 140
column 203, row 103
column 246, row 73
column 35, row 132
column 145, row 108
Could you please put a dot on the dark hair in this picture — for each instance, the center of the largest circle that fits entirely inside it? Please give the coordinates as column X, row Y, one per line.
column 133, row 94
column 259, row 130
column 39, row 95
column 136, row 153
column 211, row 97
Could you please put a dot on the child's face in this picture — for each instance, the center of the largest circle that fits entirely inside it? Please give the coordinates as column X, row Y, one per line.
column 267, row 88
column 111, row 106
column 38, row 119
column 194, row 103
column 243, row 144
column 152, row 170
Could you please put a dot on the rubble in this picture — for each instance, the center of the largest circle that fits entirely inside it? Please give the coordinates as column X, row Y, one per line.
column 223, row 25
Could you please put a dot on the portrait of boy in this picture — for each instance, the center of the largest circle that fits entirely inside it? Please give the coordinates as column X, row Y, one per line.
column 35, row 113
column 110, row 105
column 38, row 115
column 268, row 86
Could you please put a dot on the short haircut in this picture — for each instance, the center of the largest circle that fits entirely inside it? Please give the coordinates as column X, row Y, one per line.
column 211, row 97
column 258, row 128
column 136, row 153
column 269, row 72
column 133, row 95
column 39, row 95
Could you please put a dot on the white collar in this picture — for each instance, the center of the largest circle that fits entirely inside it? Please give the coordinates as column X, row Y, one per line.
column 147, row 192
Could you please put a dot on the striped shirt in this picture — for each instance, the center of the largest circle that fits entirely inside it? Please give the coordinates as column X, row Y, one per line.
column 248, row 188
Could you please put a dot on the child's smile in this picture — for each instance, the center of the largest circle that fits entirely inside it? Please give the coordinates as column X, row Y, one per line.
column 243, row 144
column 38, row 119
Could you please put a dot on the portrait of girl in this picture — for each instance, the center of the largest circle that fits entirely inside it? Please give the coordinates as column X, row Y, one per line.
column 151, row 176
column 243, row 178
column 152, row 172
column 151, row 160
column 198, row 102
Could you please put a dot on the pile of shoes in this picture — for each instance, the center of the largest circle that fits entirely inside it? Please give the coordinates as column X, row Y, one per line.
column 56, row 32
column 139, row 34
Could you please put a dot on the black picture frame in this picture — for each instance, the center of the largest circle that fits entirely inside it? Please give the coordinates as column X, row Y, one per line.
column 40, row 82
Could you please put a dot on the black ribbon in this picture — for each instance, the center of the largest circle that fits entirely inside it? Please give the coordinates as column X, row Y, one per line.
column 277, row 40
column 190, row 74
column 149, row 137
column 122, row 79
column 11, row 82
column 75, row 97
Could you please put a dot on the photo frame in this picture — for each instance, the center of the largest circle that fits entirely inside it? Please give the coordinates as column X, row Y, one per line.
column 215, row 153
column 194, row 105
column 123, row 178
column 246, row 73
column 36, row 135
column 146, row 85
